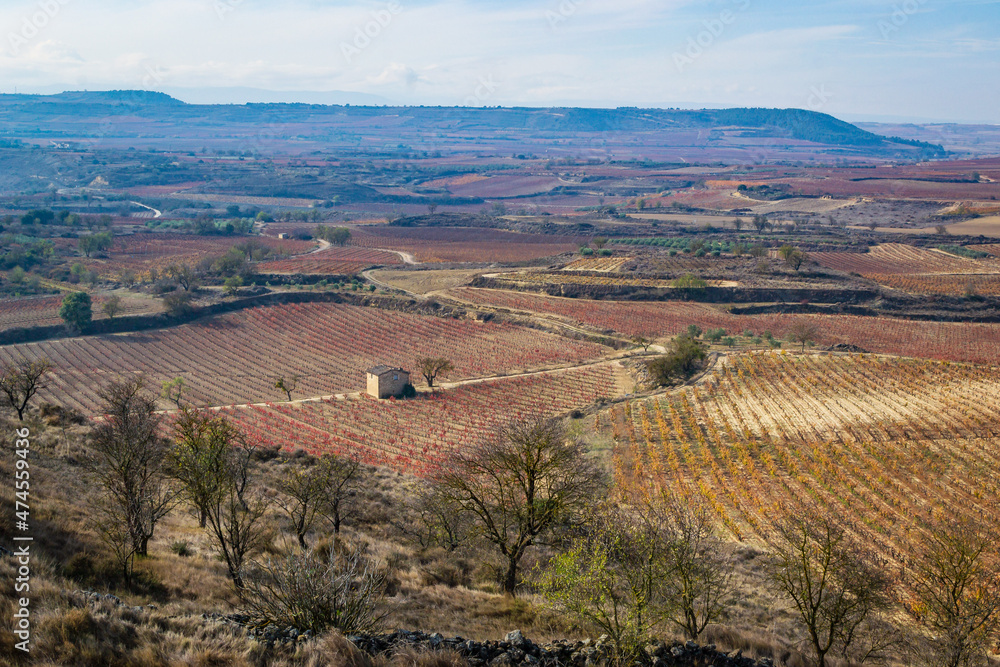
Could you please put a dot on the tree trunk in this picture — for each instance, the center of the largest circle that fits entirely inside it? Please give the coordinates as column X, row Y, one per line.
column 202, row 518
column 510, row 578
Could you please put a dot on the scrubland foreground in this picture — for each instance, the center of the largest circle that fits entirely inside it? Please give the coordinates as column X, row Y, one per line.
column 784, row 509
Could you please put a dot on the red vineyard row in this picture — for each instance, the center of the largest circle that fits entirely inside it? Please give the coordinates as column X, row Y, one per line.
column 235, row 358
column 952, row 341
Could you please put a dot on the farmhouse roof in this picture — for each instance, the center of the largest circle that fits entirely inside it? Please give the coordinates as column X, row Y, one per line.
column 383, row 369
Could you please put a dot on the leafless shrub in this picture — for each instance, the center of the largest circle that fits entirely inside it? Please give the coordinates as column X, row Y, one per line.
column 304, row 590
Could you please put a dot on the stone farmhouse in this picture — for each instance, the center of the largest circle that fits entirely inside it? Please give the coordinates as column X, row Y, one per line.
column 385, row 381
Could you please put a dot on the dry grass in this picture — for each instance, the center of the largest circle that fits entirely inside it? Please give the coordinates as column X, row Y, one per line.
column 424, row 282
column 432, row 590
column 985, row 226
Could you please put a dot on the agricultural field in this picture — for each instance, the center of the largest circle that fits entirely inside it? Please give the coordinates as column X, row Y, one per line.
column 425, row 281
column 945, row 285
column 235, row 358
column 331, row 261
column 543, row 278
column 946, row 341
column 506, row 185
column 883, row 444
column 897, row 258
column 143, row 253
column 600, row 264
column 987, row 226
column 991, row 248
column 918, row 270
column 414, row 436
column 44, row 311
column 461, row 244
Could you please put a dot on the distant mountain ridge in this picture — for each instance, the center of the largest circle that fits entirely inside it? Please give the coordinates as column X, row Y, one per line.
column 789, row 124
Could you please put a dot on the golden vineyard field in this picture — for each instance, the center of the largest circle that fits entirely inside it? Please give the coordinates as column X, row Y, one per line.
column 883, row 444
column 596, row 264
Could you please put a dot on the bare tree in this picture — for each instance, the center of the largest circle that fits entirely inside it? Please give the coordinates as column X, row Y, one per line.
column 836, row 587
column 429, row 522
column 116, row 536
column 287, row 385
column 185, row 275
column 803, row 332
column 957, row 590
column 519, row 485
column 128, row 460
column 700, row 582
column 319, row 490
column 236, row 508
column 20, row 381
column 431, row 367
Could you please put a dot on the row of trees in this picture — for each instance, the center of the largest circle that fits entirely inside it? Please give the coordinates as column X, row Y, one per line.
column 207, row 465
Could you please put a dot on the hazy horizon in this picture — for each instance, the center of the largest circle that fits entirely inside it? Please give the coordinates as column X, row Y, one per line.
column 860, row 60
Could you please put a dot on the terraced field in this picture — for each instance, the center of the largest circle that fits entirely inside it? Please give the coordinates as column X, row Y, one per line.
column 43, row 311
column 951, row 341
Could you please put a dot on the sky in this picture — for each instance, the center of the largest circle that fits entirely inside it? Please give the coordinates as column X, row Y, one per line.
column 879, row 60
